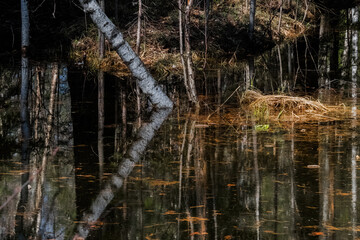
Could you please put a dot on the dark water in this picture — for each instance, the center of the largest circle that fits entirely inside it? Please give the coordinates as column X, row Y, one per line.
column 181, row 176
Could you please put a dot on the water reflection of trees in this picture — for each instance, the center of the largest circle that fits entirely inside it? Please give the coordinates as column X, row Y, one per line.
column 43, row 207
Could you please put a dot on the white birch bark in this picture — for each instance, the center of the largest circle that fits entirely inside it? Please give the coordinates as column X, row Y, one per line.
column 354, row 50
column 144, row 136
column 146, row 82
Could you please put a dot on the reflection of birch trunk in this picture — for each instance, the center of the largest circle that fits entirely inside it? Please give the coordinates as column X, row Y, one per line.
column 50, row 118
column 181, row 161
column 146, row 82
column 292, row 186
column 37, row 102
column 324, row 178
column 144, row 136
column 354, row 169
column 257, row 184
column 200, row 181
column 181, row 158
column 123, row 113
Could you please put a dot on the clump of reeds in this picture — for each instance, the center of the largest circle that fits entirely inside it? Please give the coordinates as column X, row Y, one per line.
column 265, row 107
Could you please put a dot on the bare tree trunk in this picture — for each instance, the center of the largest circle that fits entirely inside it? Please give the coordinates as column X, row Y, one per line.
column 207, row 9
column 181, row 46
column 252, row 18
column 138, row 32
column 282, row 85
column 354, row 50
column 280, row 17
column 24, row 111
column 323, row 59
column 137, row 51
column 188, row 54
column 101, row 94
column 146, row 82
column 37, row 102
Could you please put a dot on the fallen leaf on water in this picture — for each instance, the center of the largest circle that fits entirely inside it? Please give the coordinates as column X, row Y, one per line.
column 316, row 234
column 231, row 185
column 197, row 233
column 192, row 219
column 200, row 206
column 86, row 176
column 270, row 232
column 201, row 126
column 227, row 237
column 170, row 212
column 313, row 166
column 162, row 183
column 310, row 207
column 314, row 226
column 343, row 193
column 332, row 228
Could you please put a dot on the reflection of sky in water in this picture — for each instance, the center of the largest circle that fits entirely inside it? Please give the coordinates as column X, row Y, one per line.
column 63, row 83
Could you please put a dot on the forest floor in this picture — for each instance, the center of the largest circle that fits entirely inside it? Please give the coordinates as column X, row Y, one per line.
column 228, row 40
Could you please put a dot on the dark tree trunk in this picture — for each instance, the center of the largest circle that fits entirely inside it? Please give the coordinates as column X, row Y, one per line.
column 252, row 18
column 24, row 111
column 101, row 94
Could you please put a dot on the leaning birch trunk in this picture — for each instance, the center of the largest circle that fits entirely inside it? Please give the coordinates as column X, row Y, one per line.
column 24, row 111
column 132, row 157
column 146, row 82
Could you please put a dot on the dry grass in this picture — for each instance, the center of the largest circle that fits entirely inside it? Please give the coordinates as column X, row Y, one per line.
column 287, row 108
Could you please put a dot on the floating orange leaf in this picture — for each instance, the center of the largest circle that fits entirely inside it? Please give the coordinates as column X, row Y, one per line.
column 316, row 234
column 340, row 193
column 270, row 232
column 170, row 212
column 227, row 237
column 198, row 233
column 231, row 185
column 192, row 219
column 162, row 183
column 313, row 166
column 200, row 206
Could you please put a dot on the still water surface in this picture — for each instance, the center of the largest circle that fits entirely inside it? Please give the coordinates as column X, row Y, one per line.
column 199, row 180
column 182, row 175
